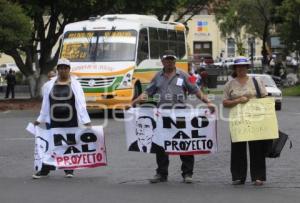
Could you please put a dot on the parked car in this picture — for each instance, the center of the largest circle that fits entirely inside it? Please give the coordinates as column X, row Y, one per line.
column 291, row 61
column 257, row 61
column 271, row 88
column 225, row 63
column 5, row 67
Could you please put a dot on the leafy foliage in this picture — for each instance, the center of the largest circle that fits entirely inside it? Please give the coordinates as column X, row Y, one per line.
column 289, row 29
column 15, row 27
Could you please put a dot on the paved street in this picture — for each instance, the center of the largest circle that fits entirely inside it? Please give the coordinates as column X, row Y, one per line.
column 125, row 178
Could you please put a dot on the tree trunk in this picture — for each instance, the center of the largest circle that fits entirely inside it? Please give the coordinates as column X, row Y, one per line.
column 32, row 85
column 40, row 82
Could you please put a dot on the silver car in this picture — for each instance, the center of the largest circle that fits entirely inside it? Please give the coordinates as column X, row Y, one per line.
column 271, row 88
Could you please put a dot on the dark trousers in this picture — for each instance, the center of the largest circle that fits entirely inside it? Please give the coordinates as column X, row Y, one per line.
column 257, row 160
column 45, row 170
column 162, row 160
column 10, row 88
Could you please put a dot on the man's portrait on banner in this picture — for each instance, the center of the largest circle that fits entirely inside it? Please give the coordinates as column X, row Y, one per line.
column 145, row 126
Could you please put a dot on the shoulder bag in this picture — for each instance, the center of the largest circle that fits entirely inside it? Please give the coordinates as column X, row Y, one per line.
column 273, row 147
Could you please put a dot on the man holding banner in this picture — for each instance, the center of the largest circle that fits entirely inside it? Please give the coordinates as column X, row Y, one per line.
column 63, row 106
column 237, row 92
column 171, row 87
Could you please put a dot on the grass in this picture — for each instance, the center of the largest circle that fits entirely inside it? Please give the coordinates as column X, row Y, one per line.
column 291, row 91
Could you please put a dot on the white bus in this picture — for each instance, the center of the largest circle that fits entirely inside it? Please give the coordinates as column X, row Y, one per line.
column 116, row 56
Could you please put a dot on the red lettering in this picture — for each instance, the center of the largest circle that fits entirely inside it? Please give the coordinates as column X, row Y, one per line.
column 59, row 160
column 66, row 160
column 84, row 159
column 88, row 158
column 74, row 159
column 99, row 157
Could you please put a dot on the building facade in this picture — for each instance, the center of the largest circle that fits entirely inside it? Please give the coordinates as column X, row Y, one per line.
column 204, row 36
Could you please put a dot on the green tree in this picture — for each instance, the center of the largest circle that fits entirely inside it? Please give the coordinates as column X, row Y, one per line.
column 259, row 15
column 230, row 22
column 289, row 28
column 256, row 16
column 15, row 28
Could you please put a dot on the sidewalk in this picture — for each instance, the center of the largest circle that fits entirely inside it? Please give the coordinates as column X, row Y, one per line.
column 21, row 92
column 18, row 95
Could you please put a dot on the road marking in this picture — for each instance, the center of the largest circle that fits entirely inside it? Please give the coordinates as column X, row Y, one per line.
column 5, row 112
column 293, row 113
column 18, row 138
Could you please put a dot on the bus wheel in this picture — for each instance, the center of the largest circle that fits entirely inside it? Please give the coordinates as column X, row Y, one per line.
column 137, row 90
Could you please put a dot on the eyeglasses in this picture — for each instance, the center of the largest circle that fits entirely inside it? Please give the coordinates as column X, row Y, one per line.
column 63, row 67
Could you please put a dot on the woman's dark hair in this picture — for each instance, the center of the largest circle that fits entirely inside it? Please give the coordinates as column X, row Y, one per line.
column 233, row 74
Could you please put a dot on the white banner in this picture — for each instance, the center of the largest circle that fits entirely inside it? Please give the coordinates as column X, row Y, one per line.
column 69, row 148
column 175, row 131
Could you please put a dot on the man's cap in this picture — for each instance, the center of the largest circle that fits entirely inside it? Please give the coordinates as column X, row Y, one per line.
column 169, row 54
column 241, row 60
column 63, row 61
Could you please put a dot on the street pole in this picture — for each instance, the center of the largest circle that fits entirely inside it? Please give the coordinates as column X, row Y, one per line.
column 251, row 43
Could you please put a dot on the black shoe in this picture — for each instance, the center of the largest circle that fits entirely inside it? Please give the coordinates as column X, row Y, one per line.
column 69, row 174
column 158, row 178
column 188, row 179
column 39, row 175
column 238, row 182
column 258, row 182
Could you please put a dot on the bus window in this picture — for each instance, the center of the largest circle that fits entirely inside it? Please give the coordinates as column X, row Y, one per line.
column 163, row 39
column 180, row 44
column 99, row 46
column 154, row 43
column 143, row 51
column 172, row 40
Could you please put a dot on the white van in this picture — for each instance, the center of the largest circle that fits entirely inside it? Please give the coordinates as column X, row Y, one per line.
column 5, row 67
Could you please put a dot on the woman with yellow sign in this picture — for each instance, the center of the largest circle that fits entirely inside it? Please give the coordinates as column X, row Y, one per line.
column 238, row 91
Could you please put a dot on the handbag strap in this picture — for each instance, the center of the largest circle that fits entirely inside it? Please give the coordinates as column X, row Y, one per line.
column 258, row 94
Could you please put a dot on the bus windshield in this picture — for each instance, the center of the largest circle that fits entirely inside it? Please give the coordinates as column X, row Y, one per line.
column 100, row 46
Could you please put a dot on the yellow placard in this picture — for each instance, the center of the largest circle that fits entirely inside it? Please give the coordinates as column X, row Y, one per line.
column 254, row 120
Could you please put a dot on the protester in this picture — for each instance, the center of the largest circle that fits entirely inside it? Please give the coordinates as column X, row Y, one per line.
column 203, row 82
column 171, row 85
column 63, row 106
column 238, row 91
column 192, row 76
column 51, row 74
column 11, row 82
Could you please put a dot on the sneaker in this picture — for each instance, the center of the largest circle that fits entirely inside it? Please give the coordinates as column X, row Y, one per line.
column 38, row 175
column 188, row 179
column 158, row 178
column 238, row 182
column 258, row 183
column 69, row 175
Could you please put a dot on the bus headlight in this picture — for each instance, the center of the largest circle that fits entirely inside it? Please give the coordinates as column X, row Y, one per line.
column 126, row 82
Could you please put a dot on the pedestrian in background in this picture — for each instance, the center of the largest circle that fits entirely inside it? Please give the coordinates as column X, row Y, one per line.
column 59, row 94
column 238, row 91
column 171, row 85
column 203, row 83
column 11, row 82
column 51, row 74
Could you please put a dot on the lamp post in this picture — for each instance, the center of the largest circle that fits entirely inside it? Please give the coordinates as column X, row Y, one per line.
column 251, row 41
